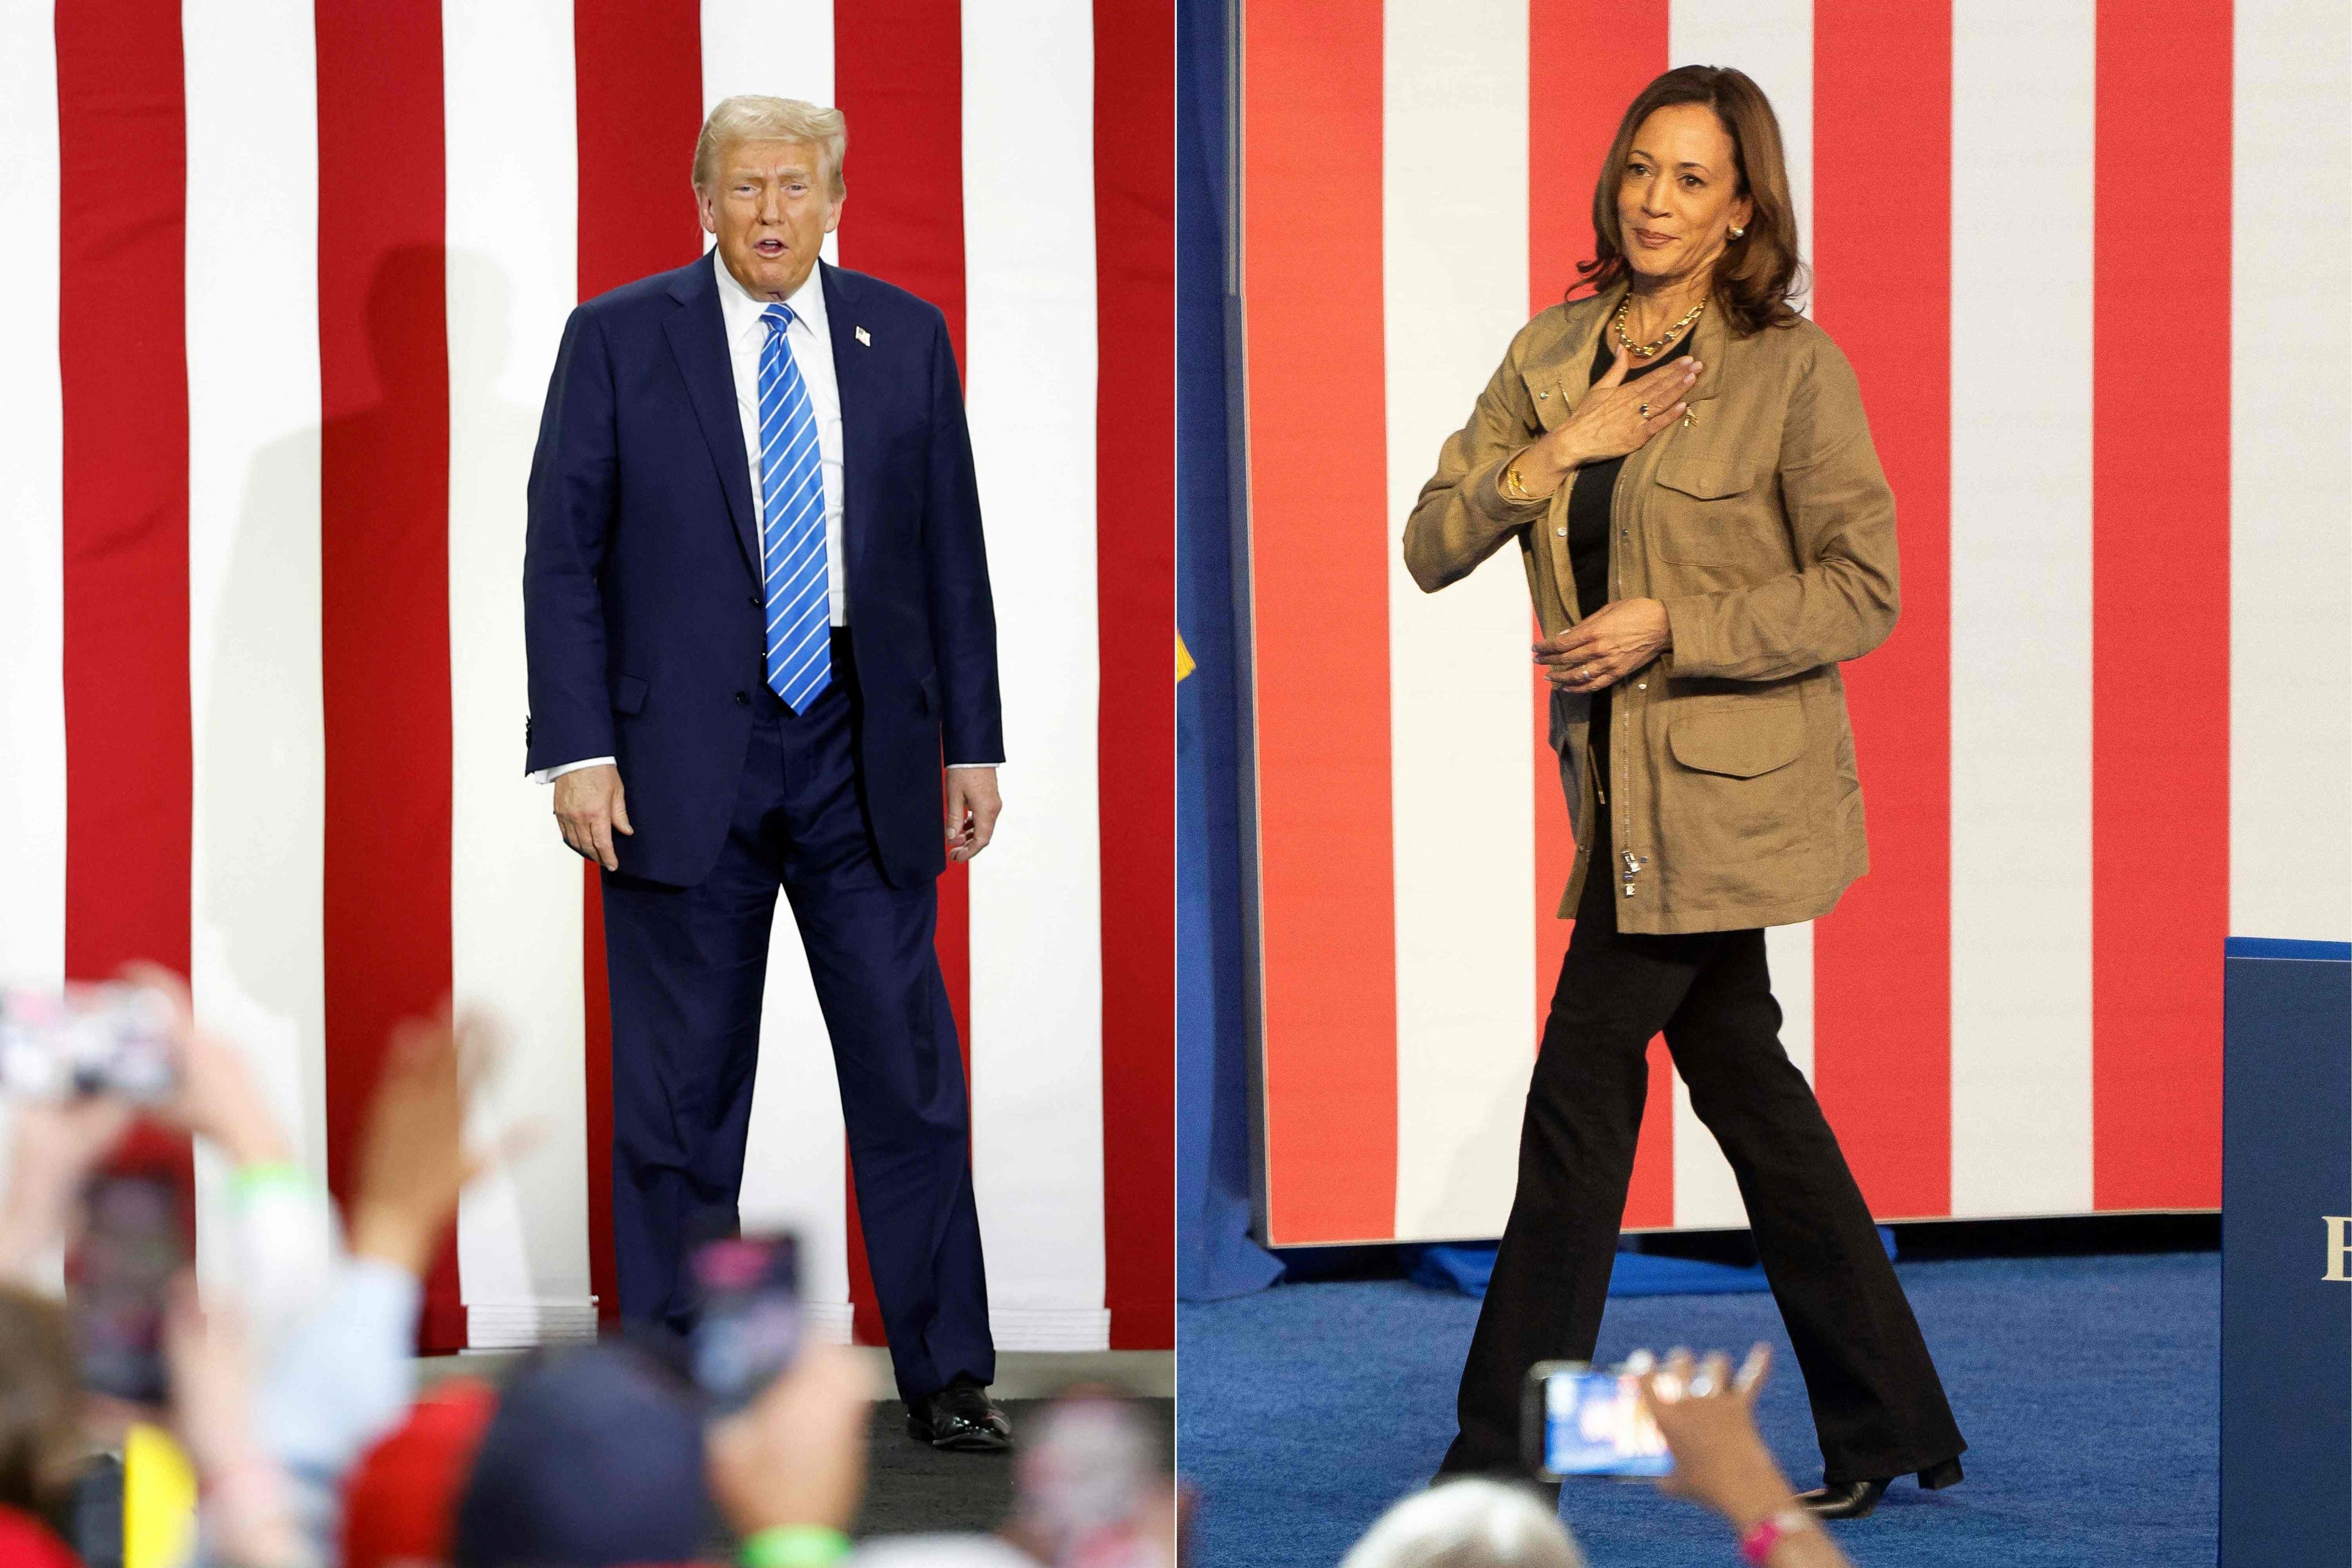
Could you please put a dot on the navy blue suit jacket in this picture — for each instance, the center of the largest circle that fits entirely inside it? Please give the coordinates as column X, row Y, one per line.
column 643, row 614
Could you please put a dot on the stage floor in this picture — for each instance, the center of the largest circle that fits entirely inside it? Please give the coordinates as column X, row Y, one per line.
column 2087, row 1388
column 912, row 1488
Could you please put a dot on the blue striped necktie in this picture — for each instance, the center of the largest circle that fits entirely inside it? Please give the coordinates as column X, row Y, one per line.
column 791, row 525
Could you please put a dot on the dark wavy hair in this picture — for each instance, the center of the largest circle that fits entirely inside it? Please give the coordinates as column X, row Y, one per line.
column 1758, row 272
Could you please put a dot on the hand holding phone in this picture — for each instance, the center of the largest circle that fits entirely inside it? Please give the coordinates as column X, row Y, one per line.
column 1706, row 1415
column 749, row 1332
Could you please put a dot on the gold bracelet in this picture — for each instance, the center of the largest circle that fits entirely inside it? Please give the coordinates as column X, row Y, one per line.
column 1516, row 484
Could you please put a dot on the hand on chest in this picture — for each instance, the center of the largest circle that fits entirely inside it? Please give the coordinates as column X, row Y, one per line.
column 1701, row 494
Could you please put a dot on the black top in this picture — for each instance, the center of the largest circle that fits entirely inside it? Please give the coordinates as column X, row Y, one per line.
column 1588, row 537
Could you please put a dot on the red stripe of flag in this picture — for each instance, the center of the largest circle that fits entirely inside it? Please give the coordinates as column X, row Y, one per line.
column 122, row 367
column 383, row 382
column 1587, row 60
column 637, row 75
column 1135, row 251
column 1882, row 963
column 2161, row 564
column 897, row 73
column 1320, row 593
column 123, row 374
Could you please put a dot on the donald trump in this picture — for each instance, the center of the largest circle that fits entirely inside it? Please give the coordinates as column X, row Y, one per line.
column 762, row 657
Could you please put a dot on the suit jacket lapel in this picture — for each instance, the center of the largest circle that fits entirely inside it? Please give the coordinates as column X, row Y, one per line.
column 854, row 377
column 698, row 337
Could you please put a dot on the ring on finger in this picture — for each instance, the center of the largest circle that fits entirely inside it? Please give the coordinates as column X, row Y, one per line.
column 1645, row 411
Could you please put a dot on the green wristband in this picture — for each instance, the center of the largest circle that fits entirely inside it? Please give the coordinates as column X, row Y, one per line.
column 272, row 1177
column 794, row 1546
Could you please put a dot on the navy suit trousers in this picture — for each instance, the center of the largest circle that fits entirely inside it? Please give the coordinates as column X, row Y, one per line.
column 686, row 968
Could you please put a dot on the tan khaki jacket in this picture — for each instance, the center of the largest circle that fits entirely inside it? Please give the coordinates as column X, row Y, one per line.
column 1767, row 528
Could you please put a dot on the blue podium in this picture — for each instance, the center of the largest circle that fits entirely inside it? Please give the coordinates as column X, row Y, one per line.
column 2286, row 1255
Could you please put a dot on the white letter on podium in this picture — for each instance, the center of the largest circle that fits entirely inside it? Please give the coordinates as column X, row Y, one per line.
column 2337, row 1248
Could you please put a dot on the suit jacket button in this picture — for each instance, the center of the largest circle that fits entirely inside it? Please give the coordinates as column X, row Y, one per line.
column 742, row 699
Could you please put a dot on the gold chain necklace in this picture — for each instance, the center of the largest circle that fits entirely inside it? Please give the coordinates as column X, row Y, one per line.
column 1650, row 349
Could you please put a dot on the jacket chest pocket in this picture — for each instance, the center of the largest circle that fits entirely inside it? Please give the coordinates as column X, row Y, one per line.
column 1549, row 399
column 1712, row 512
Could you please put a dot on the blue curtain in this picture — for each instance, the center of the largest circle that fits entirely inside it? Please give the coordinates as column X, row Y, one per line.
column 1215, row 1256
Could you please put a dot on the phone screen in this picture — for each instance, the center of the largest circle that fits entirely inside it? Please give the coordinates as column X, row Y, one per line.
column 99, row 1039
column 1583, row 1422
column 749, row 1329
column 117, row 1281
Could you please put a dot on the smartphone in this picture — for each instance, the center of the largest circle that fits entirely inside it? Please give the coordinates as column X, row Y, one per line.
column 1577, row 1420
column 102, row 1038
column 117, row 1281
column 748, row 1331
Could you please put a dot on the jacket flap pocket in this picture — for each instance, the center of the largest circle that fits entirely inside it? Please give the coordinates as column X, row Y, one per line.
column 1708, row 479
column 628, row 695
column 1742, row 739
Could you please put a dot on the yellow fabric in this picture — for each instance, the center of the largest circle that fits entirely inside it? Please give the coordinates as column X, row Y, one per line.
column 159, row 1500
column 1184, row 665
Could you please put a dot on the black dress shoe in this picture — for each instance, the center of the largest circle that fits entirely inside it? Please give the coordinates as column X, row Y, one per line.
column 960, row 1417
column 1852, row 1500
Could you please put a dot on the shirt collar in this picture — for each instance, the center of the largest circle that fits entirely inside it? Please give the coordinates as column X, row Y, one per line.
column 742, row 310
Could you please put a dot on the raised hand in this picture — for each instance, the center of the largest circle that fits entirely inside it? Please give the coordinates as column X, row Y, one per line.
column 413, row 1160
column 796, row 1455
column 1706, row 1413
column 219, row 1095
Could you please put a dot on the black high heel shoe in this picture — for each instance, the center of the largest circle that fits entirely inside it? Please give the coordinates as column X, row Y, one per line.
column 1852, row 1500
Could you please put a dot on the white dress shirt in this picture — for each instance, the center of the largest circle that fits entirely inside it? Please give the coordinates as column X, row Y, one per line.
column 810, row 338
column 811, row 341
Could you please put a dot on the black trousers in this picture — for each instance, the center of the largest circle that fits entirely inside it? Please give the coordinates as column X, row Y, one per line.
column 688, row 967
column 1877, row 1403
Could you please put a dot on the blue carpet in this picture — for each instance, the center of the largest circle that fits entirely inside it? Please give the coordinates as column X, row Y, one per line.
column 2085, row 1386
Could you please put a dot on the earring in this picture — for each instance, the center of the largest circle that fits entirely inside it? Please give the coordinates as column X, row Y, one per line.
column 1736, row 231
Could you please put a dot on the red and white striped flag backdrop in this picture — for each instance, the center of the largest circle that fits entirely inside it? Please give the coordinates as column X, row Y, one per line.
column 2092, row 263
column 285, row 282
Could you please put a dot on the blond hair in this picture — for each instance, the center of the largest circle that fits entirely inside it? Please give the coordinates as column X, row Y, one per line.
column 749, row 117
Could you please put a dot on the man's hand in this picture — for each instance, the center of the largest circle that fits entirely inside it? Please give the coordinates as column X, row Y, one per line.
column 589, row 809
column 1606, row 645
column 973, row 808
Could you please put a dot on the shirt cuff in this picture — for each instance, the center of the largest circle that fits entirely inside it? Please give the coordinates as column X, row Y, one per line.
column 975, row 764
column 549, row 776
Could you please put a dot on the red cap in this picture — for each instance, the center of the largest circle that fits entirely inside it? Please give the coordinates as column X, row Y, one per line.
column 402, row 1498
column 27, row 1542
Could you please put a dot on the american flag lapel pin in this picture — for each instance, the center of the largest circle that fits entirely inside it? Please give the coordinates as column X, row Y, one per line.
column 863, row 338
